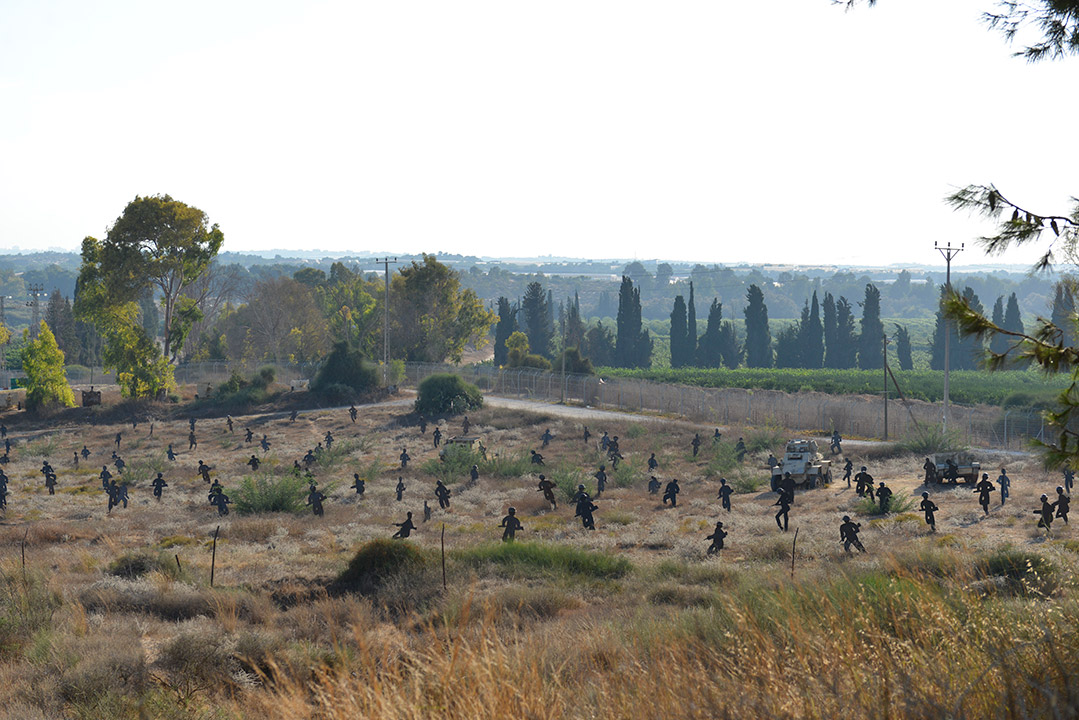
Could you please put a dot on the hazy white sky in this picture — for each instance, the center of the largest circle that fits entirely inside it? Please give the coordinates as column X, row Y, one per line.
column 782, row 131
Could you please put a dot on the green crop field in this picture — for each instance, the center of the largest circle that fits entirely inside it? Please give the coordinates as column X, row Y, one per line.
column 1011, row 388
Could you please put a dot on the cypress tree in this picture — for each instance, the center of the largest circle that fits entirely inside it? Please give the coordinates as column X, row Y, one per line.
column 871, row 338
column 846, row 341
column 708, row 351
column 788, row 344
column 679, row 334
column 902, row 348
column 999, row 343
column 537, row 319
column 575, row 328
column 1063, row 315
column 812, row 336
column 758, row 337
column 729, row 349
column 831, row 333
column 972, row 350
column 507, row 324
column 633, row 346
column 691, row 336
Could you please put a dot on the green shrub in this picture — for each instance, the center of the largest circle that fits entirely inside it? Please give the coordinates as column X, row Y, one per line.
column 267, row 493
column 723, row 460
column 567, row 478
column 26, row 607
column 238, row 391
column 344, row 366
column 1020, row 572
column 898, row 504
column 136, row 564
column 507, row 466
column 376, row 563
column 447, row 393
column 527, row 558
column 932, row 439
column 458, row 460
column 768, row 437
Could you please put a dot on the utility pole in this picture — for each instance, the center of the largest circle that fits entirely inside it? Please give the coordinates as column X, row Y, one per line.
column 3, row 348
column 886, row 387
column 386, row 262
column 563, row 359
column 948, row 252
column 35, row 308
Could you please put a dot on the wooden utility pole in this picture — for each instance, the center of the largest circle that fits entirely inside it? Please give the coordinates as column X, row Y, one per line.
column 386, row 262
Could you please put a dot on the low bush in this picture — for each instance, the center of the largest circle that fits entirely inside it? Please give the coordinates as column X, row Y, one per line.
column 526, row 558
column 136, row 564
column 26, row 607
column 1020, row 572
column 345, row 371
column 376, row 563
column 239, row 392
column 898, row 504
column 269, row 493
column 447, row 393
column 455, row 464
column 931, row 439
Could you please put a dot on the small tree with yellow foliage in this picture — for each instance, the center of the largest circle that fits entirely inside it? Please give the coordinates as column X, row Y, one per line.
column 43, row 363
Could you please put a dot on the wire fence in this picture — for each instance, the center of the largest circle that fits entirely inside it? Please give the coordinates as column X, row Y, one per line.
column 852, row 415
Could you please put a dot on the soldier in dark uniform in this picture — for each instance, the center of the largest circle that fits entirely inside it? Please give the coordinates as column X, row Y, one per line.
column 85, row 452
column 983, row 489
column 192, row 441
column 1005, row 484
column 352, row 413
column 547, row 488
column 1069, row 478
column 121, row 494
column 119, row 436
column 400, row 489
column 50, row 477
column 170, row 454
column 717, row 539
column 293, row 415
column 536, row 458
column 119, row 463
column 653, row 486
column 652, row 463
column 512, row 525
column 585, row 508
column 426, row 511
column 404, row 458
column 309, row 459
column 264, row 443
column 951, row 470
column 601, row 480
column 76, row 459
column 248, row 435
column 716, row 436
column 254, row 463
column 604, row 442
column 772, row 461
column 929, row 507
column 423, row 425
column 784, row 505
column 3, row 491
column 221, row 501
column 1063, row 504
column 837, row 443
column 863, row 482
column 191, row 424
column 215, row 487
column 3, row 428
column 159, row 486
column 786, row 487
column 587, row 435
column 359, row 486
column 1046, row 513
column 105, row 476
column 228, row 422
column 930, row 468
column 443, row 494
column 671, row 493
column 473, row 475
column 437, row 435
column 740, row 450
column 884, row 496
column 406, row 528
column 204, row 471
column 695, row 443
column 725, row 492
column 114, row 495
column 329, row 439
column 466, row 425
column 314, row 499
column 546, row 437
column 848, row 533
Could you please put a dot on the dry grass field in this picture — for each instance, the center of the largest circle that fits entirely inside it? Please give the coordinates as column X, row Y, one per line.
column 112, row 614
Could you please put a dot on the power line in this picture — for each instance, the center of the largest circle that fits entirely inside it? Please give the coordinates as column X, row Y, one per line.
column 948, row 252
column 34, row 291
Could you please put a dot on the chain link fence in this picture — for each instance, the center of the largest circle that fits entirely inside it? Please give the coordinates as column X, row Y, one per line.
column 852, row 415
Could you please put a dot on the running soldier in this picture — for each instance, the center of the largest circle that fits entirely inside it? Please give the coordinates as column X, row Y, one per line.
column 466, row 425
column 426, row 511
column 784, row 505
column 359, row 486
column 652, row 463
column 1063, row 504
column 848, row 533
column 671, row 493
column 740, row 450
column 725, row 492
column 192, row 441
column 929, row 507
column 1069, row 478
column 1005, row 484
column 717, row 539
column 695, row 443
column 254, row 463
column 983, row 489
column 546, row 437
column 536, row 458
column 437, row 436
column 585, row 508
column 653, row 486
column 159, row 486
column 930, row 469
column 404, row 458
column 443, row 494
column 512, row 525
column 406, row 527
column 601, row 480
column 352, row 413
column 473, row 475
column 547, row 488
column 314, row 499
column 863, row 482
column 884, row 496
column 170, row 454
column 400, row 489
column 1046, row 513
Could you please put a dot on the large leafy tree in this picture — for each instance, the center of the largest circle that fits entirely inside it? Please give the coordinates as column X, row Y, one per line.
column 157, row 244
column 431, row 317
column 43, row 364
